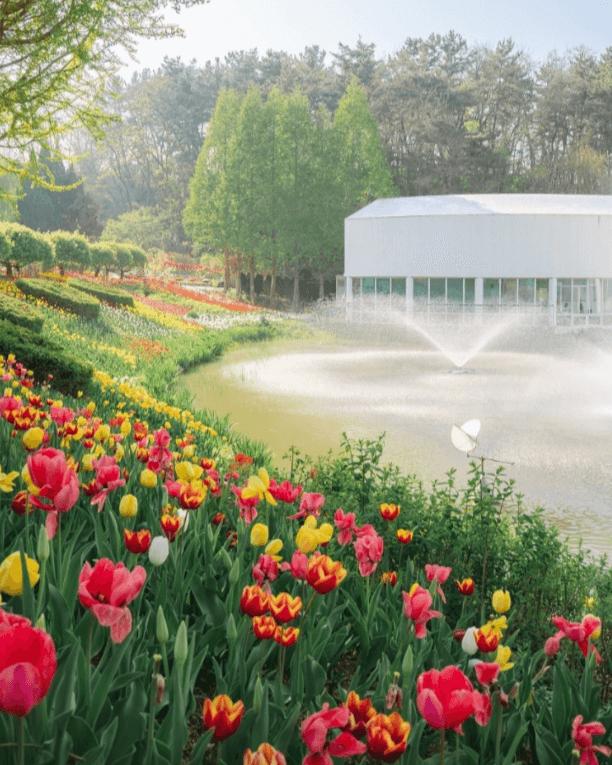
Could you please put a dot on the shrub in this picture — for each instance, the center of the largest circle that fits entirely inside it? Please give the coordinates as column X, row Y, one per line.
column 70, row 375
column 61, row 296
column 26, row 246
column 70, row 250
column 103, row 292
column 21, row 313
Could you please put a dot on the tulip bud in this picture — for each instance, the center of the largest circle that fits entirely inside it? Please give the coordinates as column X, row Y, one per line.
column 41, row 622
column 226, row 558
column 158, row 552
column 234, row 574
column 469, row 641
column 257, row 695
column 501, row 601
column 160, row 686
column 232, row 632
column 161, row 631
column 181, row 647
column 407, row 663
column 42, row 548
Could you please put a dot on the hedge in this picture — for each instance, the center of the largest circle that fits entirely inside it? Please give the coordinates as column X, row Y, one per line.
column 21, row 313
column 108, row 294
column 61, row 296
column 70, row 375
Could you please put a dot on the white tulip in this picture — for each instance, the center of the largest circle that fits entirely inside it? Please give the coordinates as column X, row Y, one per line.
column 468, row 643
column 159, row 550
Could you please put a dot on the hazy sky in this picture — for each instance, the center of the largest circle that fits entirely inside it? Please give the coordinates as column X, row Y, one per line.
column 538, row 26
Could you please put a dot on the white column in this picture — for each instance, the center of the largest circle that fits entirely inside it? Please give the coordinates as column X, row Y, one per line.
column 478, row 297
column 552, row 301
column 409, row 294
column 349, row 289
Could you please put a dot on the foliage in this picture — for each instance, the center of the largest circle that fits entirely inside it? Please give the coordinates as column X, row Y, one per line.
column 20, row 312
column 71, row 250
column 62, row 296
column 26, row 247
column 103, row 292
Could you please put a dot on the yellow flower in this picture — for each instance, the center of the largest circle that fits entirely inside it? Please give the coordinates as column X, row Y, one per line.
column 326, row 532
column 501, row 601
column 259, row 535
column 497, row 626
column 92, row 406
column 33, row 438
column 148, row 479
column 86, row 462
column 126, row 428
column 119, row 452
column 258, row 486
column 590, row 602
column 6, row 480
column 189, row 451
column 309, row 536
column 502, row 656
column 11, row 580
column 188, row 472
column 25, row 477
column 102, row 433
column 273, row 548
column 128, row 507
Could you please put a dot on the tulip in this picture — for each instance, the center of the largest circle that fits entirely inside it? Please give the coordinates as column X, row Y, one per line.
column 387, row 737
column 55, row 481
column 416, row 607
column 265, row 755
column 181, row 646
column 314, row 732
column 323, row 574
column 368, row 551
column 137, row 541
column 286, row 636
column 27, row 664
column 128, row 507
column 389, row 512
column 346, row 523
column 578, row 632
column 11, row 575
column 264, row 627
column 389, row 577
column 501, row 601
column 446, row 698
column 148, row 479
column 254, row 601
column 259, row 534
column 191, row 495
column 284, row 608
column 486, row 640
column 582, row 736
column 33, row 438
column 468, row 642
column 265, row 568
column 161, row 627
column 438, row 574
column 298, row 565
column 106, row 589
column 465, row 586
column 259, row 486
column 273, row 548
column 361, row 712
column 42, row 547
column 187, row 472
column 503, row 654
column 285, row 492
column 20, row 502
column 159, row 550
column 309, row 537
column 170, row 525
column 404, row 536
column 223, row 715
column 487, row 672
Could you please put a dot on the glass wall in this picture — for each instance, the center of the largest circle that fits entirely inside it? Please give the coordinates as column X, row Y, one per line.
column 490, row 291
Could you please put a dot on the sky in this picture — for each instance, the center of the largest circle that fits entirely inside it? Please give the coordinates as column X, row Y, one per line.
column 221, row 26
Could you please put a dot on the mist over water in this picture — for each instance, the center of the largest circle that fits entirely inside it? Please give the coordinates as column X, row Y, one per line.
column 544, row 400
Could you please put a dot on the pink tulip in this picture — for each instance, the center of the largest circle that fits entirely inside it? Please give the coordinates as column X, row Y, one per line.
column 108, row 478
column 314, row 733
column 346, row 523
column 447, row 698
column 577, row 632
column 265, row 568
column 582, row 735
column 285, row 492
column 61, row 415
column 55, row 481
column 416, row 607
column 439, row 574
column 310, row 504
column 106, row 589
column 298, row 565
column 369, row 551
column 486, row 672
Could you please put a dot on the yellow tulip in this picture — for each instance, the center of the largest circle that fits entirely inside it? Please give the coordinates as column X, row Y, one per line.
column 148, row 479
column 11, row 580
column 258, row 486
column 33, row 438
column 501, row 601
column 6, row 481
column 86, row 462
column 259, row 535
column 128, row 507
column 187, row 472
column 102, row 433
column 502, row 656
column 273, row 548
column 307, row 539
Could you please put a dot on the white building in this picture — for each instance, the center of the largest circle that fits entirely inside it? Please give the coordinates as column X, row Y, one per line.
column 545, row 256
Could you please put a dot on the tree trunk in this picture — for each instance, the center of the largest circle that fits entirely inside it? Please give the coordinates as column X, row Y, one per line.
column 321, row 287
column 273, row 282
column 239, row 276
column 9, row 269
column 296, row 289
column 252, row 278
column 226, row 275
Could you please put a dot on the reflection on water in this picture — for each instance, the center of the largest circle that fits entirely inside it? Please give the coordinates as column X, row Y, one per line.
column 549, row 415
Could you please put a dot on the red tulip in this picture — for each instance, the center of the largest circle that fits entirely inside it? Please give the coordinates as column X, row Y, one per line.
column 389, row 512
column 137, row 541
column 264, row 627
column 486, row 672
column 286, row 636
column 106, row 589
column 361, row 711
column 324, row 574
column 298, row 565
column 404, row 536
column 223, row 715
column 314, row 733
column 486, row 640
column 582, row 735
column 438, row 574
column 27, row 664
column 577, row 632
column 254, row 601
column 387, row 737
column 466, row 586
column 285, row 492
column 446, row 699
column 284, row 608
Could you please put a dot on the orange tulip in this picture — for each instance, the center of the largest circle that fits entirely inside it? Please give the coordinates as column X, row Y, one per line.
column 254, row 601
column 264, row 627
column 223, row 715
column 486, row 640
column 286, row 636
column 404, row 536
column 389, row 577
column 265, row 755
column 387, row 737
column 466, row 586
column 284, row 608
column 361, row 711
column 389, row 512
column 170, row 525
column 323, row 574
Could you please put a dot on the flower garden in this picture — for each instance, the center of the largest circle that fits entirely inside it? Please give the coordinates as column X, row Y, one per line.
column 167, row 598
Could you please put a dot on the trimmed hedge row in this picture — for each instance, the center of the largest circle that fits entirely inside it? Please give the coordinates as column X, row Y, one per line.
column 21, row 313
column 70, row 375
column 61, row 296
column 108, row 294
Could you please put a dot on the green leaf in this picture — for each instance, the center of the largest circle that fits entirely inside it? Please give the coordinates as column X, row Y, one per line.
column 314, row 677
column 101, row 685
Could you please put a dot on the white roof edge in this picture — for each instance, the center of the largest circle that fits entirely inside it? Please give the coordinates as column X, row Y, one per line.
column 487, row 204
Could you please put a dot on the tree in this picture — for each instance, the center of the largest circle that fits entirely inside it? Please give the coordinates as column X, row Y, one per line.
column 70, row 250
column 123, row 257
column 102, row 256
column 55, row 62
column 27, row 247
column 140, row 227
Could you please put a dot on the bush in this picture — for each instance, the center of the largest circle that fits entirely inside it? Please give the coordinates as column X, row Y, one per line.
column 26, row 246
column 21, row 313
column 61, row 296
column 108, row 294
column 70, row 375
column 70, row 250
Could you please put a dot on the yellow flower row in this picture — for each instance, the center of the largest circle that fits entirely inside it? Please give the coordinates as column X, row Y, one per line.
column 128, row 357
column 165, row 319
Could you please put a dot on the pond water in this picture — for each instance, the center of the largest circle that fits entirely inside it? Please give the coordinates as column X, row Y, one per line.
column 548, row 411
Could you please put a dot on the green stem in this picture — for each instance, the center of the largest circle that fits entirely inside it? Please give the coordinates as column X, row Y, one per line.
column 500, row 726
column 41, row 587
column 442, row 732
column 20, row 748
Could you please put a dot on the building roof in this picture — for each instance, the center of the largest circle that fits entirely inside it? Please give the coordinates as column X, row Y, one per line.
column 488, row 204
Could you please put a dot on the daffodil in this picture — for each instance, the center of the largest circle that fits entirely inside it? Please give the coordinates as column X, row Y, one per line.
column 258, row 486
column 6, row 481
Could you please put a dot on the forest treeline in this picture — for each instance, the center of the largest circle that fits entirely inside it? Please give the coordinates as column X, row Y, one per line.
column 452, row 118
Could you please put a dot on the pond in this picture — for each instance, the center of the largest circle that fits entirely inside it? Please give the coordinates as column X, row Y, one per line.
column 546, row 415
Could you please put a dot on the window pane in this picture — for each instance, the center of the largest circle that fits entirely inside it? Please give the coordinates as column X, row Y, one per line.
column 383, row 286
column 356, row 286
column 420, row 289
column 398, row 287
column 340, row 287
column 437, row 289
column 367, row 285
column 526, row 287
column 455, row 290
column 542, row 292
column 508, row 291
column 469, row 290
column 490, row 291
